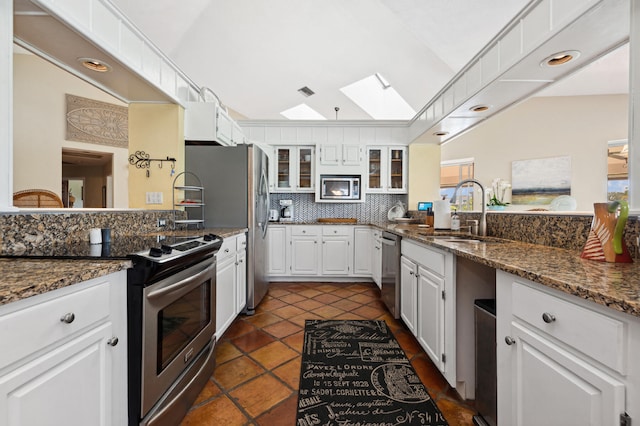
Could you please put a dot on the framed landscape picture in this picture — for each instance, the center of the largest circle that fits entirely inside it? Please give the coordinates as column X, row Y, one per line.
column 539, row 181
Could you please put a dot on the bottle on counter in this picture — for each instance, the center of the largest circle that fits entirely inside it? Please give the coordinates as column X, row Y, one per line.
column 428, row 220
column 455, row 221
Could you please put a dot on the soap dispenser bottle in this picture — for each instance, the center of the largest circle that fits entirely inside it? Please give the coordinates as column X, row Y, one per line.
column 455, row 221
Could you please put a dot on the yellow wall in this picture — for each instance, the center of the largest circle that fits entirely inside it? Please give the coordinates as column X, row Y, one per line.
column 156, row 129
column 424, row 174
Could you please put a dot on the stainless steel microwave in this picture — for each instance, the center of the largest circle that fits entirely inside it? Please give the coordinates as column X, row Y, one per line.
column 340, row 187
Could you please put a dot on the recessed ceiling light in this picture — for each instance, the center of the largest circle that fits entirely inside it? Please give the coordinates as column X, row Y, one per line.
column 479, row 108
column 306, row 91
column 441, row 133
column 560, row 58
column 95, row 64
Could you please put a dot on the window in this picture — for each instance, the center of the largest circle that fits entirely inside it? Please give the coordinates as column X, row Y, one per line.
column 617, row 170
column 451, row 173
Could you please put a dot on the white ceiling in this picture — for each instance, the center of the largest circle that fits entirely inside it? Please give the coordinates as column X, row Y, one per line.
column 255, row 54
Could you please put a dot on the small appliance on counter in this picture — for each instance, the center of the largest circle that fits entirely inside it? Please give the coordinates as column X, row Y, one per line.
column 274, row 215
column 286, row 210
column 442, row 214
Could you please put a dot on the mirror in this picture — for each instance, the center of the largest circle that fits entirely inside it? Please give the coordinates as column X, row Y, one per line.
column 576, row 118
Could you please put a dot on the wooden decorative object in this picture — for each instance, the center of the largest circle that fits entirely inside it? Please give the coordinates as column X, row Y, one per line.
column 38, row 198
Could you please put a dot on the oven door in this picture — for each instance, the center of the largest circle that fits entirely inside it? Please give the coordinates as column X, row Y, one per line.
column 179, row 321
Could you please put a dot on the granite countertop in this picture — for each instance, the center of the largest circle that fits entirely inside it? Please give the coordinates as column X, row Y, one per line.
column 22, row 278
column 615, row 285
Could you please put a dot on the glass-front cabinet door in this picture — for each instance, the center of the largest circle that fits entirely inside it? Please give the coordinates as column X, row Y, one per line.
column 374, row 158
column 397, row 170
column 283, row 169
column 305, row 169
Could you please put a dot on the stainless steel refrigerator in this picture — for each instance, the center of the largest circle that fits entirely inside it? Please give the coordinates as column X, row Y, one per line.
column 236, row 188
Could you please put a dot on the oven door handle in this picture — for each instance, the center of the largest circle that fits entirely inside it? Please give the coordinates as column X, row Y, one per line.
column 180, row 284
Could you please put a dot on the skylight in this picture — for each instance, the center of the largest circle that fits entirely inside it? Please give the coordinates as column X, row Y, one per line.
column 302, row 112
column 378, row 99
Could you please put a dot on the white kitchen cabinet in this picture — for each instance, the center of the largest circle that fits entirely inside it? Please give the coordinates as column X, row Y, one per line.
column 376, row 257
column 340, row 154
column 71, row 373
column 362, row 250
column 231, row 283
column 386, row 169
column 409, row 294
column 207, row 121
column 277, row 250
column 549, row 346
column 237, row 135
column 305, row 250
column 336, row 250
column 428, row 302
column 224, row 127
column 294, row 169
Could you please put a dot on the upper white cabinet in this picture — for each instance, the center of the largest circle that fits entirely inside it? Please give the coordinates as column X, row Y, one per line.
column 341, row 154
column 386, row 169
column 67, row 363
column 551, row 344
column 208, row 122
column 293, row 169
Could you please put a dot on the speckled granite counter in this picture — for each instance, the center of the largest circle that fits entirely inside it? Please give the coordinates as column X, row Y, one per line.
column 22, row 278
column 616, row 286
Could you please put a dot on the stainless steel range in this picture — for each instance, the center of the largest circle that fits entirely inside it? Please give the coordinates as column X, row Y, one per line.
column 171, row 318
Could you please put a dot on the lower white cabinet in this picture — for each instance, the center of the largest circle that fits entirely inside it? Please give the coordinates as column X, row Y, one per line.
column 561, row 361
column 231, row 282
column 71, row 373
column 427, row 302
column 277, row 250
column 305, row 250
column 362, row 250
column 337, row 257
column 376, row 257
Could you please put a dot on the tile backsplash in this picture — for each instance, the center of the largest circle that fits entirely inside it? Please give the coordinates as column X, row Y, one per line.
column 305, row 209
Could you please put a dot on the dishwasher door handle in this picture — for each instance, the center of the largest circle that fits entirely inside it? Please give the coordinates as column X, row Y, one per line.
column 389, row 242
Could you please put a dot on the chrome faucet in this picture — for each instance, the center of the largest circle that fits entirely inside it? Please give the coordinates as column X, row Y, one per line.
column 483, row 219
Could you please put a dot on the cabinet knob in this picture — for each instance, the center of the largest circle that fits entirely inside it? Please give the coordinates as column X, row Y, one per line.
column 410, row 272
column 335, row 231
column 548, row 318
column 113, row 341
column 226, row 250
column 510, row 340
column 304, row 232
column 315, row 242
column 68, row 318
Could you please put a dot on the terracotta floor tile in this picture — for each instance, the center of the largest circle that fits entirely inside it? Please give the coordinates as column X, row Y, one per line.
column 368, row 311
column 220, row 411
column 326, row 287
column 288, row 311
column 328, row 312
column 282, row 329
column 278, row 292
column 292, row 298
column 237, row 371
column 290, row 372
column 346, row 305
column 455, row 414
column 302, row 318
column 283, row 414
column 260, row 394
column 209, row 391
column 252, row 341
column 309, row 305
column 429, row 375
column 262, row 320
column 238, row 328
column 408, row 342
column 295, row 341
column 327, row 298
column 362, row 298
column 348, row 316
column 269, row 305
column 226, row 351
column 273, row 355
column 310, row 292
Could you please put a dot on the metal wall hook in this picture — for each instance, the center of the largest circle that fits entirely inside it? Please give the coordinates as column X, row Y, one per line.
column 142, row 161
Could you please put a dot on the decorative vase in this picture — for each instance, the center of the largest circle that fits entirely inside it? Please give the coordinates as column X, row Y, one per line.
column 495, row 207
column 605, row 243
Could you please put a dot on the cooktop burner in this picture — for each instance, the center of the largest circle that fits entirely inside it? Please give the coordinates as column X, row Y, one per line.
column 155, row 247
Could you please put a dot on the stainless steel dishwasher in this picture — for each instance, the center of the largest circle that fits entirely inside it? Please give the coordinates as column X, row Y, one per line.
column 390, row 280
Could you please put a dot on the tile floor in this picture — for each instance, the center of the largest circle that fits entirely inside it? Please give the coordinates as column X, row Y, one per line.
column 258, row 358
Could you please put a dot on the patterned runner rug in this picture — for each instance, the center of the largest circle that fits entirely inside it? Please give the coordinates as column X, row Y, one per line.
column 356, row 373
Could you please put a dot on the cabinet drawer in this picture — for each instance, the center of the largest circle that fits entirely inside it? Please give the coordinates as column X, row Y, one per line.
column 596, row 335
column 337, row 230
column 28, row 330
column 429, row 258
column 241, row 242
column 305, row 230
column 228, row 248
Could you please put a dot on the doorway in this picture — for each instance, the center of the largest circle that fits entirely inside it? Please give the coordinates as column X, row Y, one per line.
column 87, row 178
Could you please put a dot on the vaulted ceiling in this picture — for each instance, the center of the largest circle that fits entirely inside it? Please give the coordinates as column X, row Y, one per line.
column 255, row 54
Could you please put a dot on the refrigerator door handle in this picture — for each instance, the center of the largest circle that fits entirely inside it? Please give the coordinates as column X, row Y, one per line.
column 264, row 189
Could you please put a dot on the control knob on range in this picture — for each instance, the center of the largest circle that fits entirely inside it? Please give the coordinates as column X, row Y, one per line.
column 166, row 249
column 210, row 237
column 155, row 252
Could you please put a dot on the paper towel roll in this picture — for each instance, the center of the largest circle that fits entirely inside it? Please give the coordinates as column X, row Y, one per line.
column 442, row 214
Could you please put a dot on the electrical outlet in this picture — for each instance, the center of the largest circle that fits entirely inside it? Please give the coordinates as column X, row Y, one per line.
column 154, row 197
column 162, row 222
